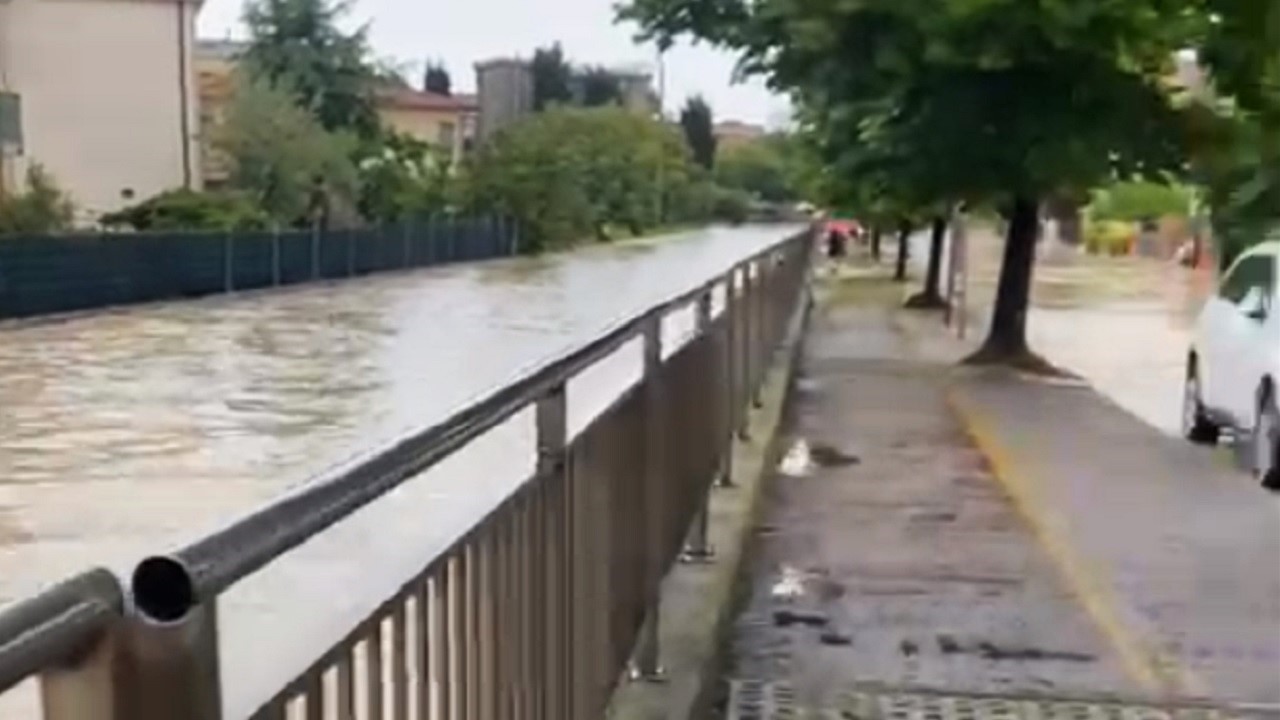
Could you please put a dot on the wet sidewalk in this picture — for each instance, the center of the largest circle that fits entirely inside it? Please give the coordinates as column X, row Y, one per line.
column 1175, row 555
column 896, row 576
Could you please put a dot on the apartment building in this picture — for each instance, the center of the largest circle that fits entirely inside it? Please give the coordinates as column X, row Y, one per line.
column 504, row 91
column 104, row 97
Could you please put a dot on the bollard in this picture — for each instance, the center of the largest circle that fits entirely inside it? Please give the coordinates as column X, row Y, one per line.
column 645, row 664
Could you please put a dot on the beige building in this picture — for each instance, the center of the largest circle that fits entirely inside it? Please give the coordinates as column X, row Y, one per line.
column 445, row 122
column 733, row 133
column 107, row 96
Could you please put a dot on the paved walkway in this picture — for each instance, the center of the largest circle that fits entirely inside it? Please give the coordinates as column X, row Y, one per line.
column 1174, row 555
column 1062, row 568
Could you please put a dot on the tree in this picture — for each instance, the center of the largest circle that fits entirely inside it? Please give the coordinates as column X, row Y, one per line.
column 41, row 208
column 1238, row 157
column 600, row 87
column 297, row 44
column 1011, row 101
column 930, row 298
column 281, row 155
column 552, row 77
column 698, row 123
column 436, row 80
column 569, row 174
column 758, row 168
column 402, row 176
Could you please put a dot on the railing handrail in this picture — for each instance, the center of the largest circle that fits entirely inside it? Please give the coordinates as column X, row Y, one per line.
column 55, row 626
column 166, row 587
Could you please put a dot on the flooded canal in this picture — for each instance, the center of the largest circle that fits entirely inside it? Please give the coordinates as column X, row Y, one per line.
column 129, row 432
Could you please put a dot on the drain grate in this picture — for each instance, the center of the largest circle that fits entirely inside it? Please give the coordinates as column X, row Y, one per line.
column 758, row 700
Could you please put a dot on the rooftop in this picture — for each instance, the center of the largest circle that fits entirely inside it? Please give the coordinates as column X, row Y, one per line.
column 410, row 99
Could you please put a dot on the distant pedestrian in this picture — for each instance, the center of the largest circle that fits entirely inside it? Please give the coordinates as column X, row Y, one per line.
column 836, row 244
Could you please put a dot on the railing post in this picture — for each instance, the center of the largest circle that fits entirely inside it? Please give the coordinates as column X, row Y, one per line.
column 275, row 257
column 730, row 379
column 696, row 547
column 551, row 420
column 759, row 313
column 228, row 262
column 86, row 691
column 646, row 663
column 172, row 670
column 745, row 355
column 315, row 250
column 407, row 242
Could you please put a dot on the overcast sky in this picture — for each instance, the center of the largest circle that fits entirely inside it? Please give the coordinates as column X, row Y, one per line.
column 460, row 32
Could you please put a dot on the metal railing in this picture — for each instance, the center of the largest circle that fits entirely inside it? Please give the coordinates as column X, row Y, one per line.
column 535, row 612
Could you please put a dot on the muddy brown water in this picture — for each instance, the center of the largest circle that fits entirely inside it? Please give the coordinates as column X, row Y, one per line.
column 128, row 432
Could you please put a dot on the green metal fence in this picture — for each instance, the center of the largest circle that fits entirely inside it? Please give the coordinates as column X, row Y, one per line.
column 42, row 274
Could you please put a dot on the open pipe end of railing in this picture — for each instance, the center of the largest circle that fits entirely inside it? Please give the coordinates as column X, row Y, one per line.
column 163, row 590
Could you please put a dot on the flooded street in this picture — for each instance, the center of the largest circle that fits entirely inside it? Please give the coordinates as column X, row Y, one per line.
column 129, row 432
column 1122, row 324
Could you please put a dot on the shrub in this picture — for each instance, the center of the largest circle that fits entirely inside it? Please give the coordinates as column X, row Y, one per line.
column 1108, row 237
column 189, row 210
column 42, row 208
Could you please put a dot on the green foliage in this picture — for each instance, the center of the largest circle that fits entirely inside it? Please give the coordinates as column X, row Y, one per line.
column 190, row 210
column 282, row 157
column 41, row 208
column 436, row 80
column 1239, row 153
column 1141, row 200
column 731, row 205
column 600, row 87
column 568, row 174
column 401, row 176
column 551, row 78
column 1108, row 237
column 698, row 123
column 758, row 168
column 298, row 44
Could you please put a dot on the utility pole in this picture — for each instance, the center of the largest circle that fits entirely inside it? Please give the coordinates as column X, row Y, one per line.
column 662, row 118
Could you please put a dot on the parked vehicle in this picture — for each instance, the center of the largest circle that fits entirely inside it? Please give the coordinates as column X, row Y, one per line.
column 1233, row 367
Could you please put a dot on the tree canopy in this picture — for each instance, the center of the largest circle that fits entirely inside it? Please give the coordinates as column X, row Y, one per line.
column 698, row 123
column 297, row 43
column 1007, row 101
column 436, row 79
column 552, row 77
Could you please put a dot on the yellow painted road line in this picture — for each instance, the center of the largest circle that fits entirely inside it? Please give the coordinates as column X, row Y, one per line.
column 1146, row 665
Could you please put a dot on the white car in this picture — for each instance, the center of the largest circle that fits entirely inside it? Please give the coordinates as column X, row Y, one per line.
column 1233, row 368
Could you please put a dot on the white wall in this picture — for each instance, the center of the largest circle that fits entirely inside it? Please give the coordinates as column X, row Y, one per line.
column 101, row 104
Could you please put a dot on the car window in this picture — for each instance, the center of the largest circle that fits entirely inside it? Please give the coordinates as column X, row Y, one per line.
column 1257, row 272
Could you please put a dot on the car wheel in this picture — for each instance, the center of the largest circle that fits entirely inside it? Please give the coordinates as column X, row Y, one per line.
column 1266, row 441
column 1196, row 425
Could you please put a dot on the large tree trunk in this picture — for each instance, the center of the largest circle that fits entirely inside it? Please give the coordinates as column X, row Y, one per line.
column 904, row 252
column 931, row 296
column 1007, row 340
column 875, row 244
